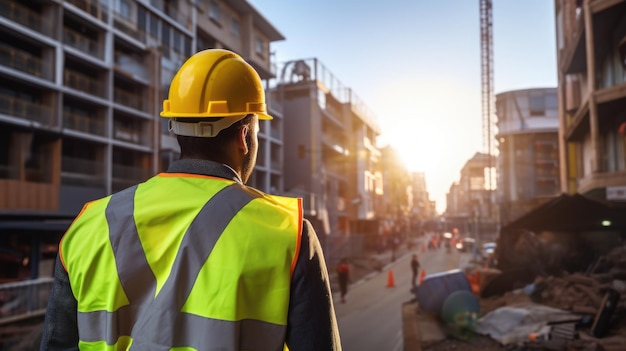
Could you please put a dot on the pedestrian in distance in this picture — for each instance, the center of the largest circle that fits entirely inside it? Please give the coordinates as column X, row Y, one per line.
column 193, row 258
column 343, row 275
column 415, row 265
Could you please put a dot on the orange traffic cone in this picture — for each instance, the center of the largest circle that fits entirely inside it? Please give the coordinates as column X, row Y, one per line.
column 390, row 282
column 422, row 276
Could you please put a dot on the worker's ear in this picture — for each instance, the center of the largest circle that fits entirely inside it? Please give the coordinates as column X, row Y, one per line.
column 242, row 139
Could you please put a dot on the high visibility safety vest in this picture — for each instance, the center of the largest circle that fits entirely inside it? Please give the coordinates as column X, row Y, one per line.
column 183, row 262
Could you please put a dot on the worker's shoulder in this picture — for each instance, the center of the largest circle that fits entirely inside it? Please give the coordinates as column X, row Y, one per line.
column 270, row 197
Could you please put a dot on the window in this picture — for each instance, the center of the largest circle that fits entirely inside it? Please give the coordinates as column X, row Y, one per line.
column 124, row 8
column 537, row 105
column 259, row 47
column 177, row 44
column 142, row 19
column 187, row 46
column 214, row 11
column 165, row 35
column 235, row 27
column 552, row 102
column 154, row 26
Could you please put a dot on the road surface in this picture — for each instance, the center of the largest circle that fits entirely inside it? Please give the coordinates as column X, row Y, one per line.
column 371, row 319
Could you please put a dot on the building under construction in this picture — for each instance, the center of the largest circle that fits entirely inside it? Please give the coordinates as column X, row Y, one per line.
column 591, row 48
column 528, row 162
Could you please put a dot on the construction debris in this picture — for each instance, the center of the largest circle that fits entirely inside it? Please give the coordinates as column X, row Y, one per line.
column 596, row 297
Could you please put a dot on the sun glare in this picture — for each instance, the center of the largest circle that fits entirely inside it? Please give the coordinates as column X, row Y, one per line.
column 419, row 145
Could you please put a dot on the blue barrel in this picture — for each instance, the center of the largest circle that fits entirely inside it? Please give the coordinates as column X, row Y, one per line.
column 435, row 288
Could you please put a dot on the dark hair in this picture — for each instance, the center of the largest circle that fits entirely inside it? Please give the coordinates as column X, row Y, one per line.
column 214, row 148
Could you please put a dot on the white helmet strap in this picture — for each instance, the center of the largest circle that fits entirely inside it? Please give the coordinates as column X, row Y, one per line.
column 203, row 129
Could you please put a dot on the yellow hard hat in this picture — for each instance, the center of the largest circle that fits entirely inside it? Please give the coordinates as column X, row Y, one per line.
column 214, row 83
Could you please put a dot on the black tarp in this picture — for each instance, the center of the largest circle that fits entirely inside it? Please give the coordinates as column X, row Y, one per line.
column 572, row 213
column 567, row 233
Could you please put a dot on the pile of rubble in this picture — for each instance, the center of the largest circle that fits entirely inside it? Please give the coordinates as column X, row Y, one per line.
column 597, row 299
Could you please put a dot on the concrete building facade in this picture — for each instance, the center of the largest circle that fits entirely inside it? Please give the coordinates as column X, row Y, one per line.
column 83, row 83
column 527, row 163
column 331, row 158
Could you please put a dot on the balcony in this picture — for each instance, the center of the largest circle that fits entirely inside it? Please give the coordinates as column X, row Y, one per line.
column 82, row 43
column 335, row 144
column 125, row 176
column 135, row 101
column 131, row 30
column 168, row 9
column 131, row 65
column 24, row 62
column 81, row 172
column 83, row 123
column 25, row 109
column 83, row 83
column 26, row 17
column 127, row 134
column 92, row 7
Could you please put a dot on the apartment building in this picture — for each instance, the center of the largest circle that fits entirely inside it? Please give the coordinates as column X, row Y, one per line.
column 528, row 163
column 423, row 208
column 82, row 83
column 331, row 158
column 470, row 202
column 591, row 53
column 398, row 198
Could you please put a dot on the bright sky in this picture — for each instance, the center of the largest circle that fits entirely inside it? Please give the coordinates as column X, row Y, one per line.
column 416, row 65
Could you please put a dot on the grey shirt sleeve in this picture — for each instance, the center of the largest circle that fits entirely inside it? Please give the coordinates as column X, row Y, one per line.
column 312, row 324
column 60, row 328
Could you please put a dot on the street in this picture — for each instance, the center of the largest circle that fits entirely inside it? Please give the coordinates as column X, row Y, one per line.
column 371, row 318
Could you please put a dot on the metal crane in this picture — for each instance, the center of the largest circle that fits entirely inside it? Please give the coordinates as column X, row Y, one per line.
column 486, row 62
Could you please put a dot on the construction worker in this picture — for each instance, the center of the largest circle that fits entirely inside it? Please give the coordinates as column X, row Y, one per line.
column 192, row 258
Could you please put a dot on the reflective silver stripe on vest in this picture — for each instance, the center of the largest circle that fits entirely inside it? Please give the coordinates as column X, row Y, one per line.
column 159, row 324
column 132, row 265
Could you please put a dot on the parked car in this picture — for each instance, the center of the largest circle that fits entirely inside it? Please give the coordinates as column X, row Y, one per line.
column 466, row 244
